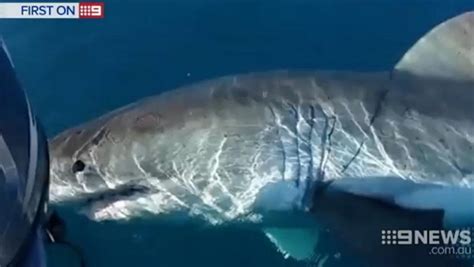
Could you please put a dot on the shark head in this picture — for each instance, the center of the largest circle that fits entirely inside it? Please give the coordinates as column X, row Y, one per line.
column 176, row 150
column 73, row 170
column 85, row 160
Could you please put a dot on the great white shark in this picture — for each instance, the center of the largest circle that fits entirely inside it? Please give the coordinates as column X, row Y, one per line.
column 357, row 152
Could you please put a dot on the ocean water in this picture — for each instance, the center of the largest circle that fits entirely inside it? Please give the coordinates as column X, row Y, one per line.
column 75, row 70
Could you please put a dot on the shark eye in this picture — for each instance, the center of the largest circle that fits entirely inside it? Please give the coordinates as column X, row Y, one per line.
column 78, row 166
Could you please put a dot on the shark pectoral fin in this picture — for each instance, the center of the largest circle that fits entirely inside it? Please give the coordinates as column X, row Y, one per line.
column 359, row 214
column 357, row 209
column 298, row 243
column 434, row 205
column 447, row 51
column 457, row 204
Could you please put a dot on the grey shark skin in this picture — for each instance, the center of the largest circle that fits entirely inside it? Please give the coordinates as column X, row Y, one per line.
column 239, row 147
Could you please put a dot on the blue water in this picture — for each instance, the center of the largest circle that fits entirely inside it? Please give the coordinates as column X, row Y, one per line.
column 77, row 70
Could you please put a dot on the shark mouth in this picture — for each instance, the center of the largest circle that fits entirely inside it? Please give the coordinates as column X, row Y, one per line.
column 126, row 191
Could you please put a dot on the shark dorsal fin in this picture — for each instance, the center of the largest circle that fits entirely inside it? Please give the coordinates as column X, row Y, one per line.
column 446, row 52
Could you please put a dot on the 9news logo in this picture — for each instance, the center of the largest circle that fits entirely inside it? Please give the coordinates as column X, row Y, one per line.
column 91, row 10
column 426, row 237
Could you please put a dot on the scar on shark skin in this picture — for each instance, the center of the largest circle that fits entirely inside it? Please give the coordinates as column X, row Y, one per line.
column 147, row 122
